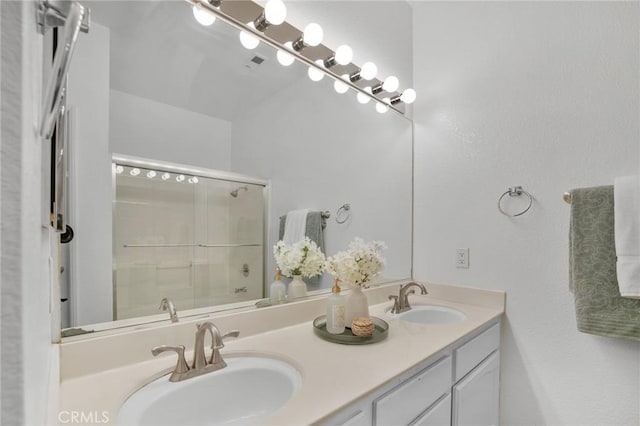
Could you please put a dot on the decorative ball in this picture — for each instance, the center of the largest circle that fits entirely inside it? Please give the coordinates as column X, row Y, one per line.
column 362, row 326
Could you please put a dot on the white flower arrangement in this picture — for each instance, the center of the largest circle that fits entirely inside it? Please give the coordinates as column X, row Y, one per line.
column 359, row 264
column 302, row 258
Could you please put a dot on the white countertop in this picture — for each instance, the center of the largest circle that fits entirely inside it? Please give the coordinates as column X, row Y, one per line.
column 333, row 375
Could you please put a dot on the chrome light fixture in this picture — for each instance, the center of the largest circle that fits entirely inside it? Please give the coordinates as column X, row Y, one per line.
column 202, row 15
column 367, row 72
column 343, row 56
column 248, row 40
column 389, row 85
column 285, row 58
column 274, row 13
column 312, row 36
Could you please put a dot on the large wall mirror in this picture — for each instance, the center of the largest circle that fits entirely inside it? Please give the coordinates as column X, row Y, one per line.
column 150, row 89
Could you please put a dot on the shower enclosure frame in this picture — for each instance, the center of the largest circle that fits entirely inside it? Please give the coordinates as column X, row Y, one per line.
column 133, row 161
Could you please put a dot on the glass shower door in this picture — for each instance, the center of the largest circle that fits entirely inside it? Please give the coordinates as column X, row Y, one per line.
column 196, row 240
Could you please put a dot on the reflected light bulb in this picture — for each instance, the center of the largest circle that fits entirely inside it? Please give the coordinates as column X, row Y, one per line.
column 249, row 41
column 316, row 74
column 313, row 34
column 203, row 16
column 408, row 96
column 193, row 179
column 362, row 98
column 119, row 169
column 368, row 71
column 285, row 58
column 275, row 12
column 340, row 86
column 151, row 174
column 179, row 178
column 382, row 107
column 390, row 84
column 134, row 172
column 165, row 176
column 344, row 54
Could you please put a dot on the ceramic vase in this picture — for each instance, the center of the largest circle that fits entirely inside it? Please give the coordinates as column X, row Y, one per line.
column 297, row 288
column 356, row 305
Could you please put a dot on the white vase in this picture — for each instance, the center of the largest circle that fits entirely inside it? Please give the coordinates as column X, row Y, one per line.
column 297, row 288
column 356, row 305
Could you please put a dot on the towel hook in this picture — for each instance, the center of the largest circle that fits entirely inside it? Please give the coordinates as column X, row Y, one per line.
column 343, row 213
column 515, row 191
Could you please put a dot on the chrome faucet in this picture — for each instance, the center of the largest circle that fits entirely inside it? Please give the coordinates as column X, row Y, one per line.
column 200, row 364
column 167, row 304
column 401, row 301
column 181, row 367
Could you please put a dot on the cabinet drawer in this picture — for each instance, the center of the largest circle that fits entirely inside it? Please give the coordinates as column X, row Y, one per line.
column 438, row 415
column 405, row 402
column 474, row 351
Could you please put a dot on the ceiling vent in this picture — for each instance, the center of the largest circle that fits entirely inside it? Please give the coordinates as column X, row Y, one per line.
column 255, row 62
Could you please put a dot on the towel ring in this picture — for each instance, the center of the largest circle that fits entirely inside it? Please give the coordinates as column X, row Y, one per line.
column 515, row 191
column 343, row 213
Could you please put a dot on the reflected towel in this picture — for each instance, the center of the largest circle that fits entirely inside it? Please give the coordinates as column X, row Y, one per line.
column 599, row 307
column 295, row 226
column 627, row 230
column 314, row 228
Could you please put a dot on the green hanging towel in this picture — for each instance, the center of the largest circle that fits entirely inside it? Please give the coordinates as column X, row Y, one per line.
column 592, row 267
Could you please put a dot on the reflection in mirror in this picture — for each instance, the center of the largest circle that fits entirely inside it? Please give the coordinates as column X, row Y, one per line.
column 149, row 82
column 194, row 238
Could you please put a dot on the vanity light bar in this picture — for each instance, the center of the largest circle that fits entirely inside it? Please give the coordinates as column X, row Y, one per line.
column 325, row 66
column 152, row 174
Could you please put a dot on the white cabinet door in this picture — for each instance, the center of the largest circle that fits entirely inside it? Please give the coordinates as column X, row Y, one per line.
column 438, row 415
column 476, row 397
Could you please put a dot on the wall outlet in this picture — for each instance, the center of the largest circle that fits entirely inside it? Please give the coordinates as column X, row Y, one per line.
column 462, row 258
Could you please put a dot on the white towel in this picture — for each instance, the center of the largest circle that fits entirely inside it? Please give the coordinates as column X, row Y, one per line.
column 295, row 226
column 626, row 192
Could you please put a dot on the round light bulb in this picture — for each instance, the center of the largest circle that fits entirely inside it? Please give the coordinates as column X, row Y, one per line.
column 390, row 84
column 344, row 54
column 275, row 12
column 314, row 73
column 249, row 41
column 381, row 108
column 203, row 16
column 313, row 34
column 119, row 169
column 284, row 57
column 151, row 174
column 180, row 178
column 408, row 96
column 368, row 71
column 340, row 86
column 165, row 176
column 193, row 179
column 134, row 172
column 362, row 98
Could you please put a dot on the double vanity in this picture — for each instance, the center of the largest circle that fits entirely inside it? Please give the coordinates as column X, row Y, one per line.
column 438, row 365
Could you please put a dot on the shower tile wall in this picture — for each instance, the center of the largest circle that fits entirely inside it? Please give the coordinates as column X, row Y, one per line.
column 152, row 211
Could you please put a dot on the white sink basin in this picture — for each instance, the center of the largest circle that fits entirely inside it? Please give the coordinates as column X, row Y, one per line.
column 431, row 314
column 244, row 393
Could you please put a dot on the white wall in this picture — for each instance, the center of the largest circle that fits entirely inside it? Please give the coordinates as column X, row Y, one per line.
column 27, row 356
column 90, row 294
column 543, row 95
column 151, row 129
